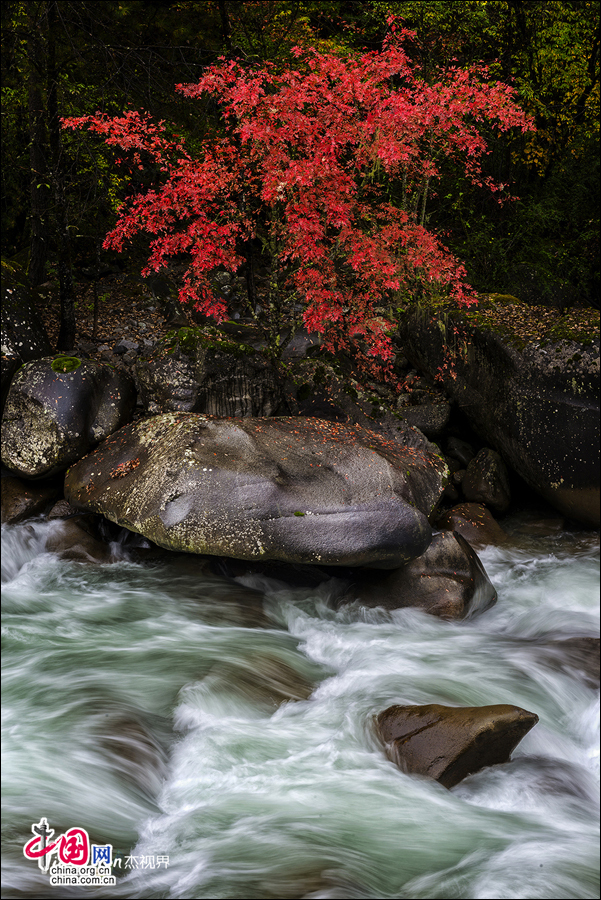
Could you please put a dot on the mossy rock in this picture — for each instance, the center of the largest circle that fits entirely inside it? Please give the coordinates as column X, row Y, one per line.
column 65, row 364
column 189, row 338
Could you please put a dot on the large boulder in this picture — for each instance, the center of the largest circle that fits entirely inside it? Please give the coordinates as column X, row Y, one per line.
column 192, row 370
column 57, row 409
column 447, row 580
column 449, row 743
column 535, row 400
column 291, row 489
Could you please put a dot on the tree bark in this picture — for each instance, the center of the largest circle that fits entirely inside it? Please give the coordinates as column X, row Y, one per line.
column 37, row 157
column 66, row 336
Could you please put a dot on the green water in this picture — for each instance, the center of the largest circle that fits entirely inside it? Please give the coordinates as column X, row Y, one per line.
column 229, row 728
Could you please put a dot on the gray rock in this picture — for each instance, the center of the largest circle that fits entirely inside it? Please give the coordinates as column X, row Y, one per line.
column 474, row 523
column 333, row 394
column 430, row 418
column 486, row 481
column 538, row 406
column 123, row 346
column 449, row 743
column 291, row 489
column 169, row 378
column 59, row 408
column 460, row 450
column 62, row 510
column 239, row 385
column 22, row 500
column 74, row 539
column 191, row 372
column 447, row 580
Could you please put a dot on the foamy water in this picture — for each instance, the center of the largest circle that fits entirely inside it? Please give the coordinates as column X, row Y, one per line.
column 166, row 714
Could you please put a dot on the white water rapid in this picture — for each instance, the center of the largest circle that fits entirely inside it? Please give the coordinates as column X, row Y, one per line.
column 168, row 715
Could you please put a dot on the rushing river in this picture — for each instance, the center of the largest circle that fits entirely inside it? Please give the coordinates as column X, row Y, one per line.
column 220, row 738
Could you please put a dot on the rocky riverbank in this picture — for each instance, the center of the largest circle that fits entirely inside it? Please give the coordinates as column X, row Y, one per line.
column 196, row 444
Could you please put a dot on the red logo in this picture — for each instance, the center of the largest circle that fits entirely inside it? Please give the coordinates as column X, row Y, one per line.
column 73, row 847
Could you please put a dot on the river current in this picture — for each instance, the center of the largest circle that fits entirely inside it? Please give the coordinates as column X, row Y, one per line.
column 221, row 739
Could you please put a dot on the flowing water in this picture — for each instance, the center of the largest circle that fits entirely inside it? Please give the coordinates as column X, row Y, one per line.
column 228, row 728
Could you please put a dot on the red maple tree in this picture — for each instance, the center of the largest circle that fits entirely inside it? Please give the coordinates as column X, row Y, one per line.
column 318, row 180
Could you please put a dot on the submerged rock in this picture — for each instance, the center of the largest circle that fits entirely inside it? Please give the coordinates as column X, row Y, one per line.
column 447, row 580
column 576, row 655
column 449, row 743
column 260, row 678
column 291, row 489
column 57, row 409
column 134, row 746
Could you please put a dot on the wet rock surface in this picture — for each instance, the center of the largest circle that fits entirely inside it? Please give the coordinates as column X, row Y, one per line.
column 449, row 743
column 293, row 489
column 22, row 500
column 76, row 539
column 474, row 522
column 57, row 409
column 447, row 580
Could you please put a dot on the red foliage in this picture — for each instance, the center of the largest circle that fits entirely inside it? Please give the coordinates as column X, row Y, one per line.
column 307, row 164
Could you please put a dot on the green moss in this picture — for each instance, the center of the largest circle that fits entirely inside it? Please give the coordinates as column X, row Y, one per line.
column 519, row 324
column 65, row 364
column 189, row 338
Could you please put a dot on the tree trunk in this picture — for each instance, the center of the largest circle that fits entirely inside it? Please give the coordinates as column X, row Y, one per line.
column 37, row 157
column 66, row 336
column 226, row 28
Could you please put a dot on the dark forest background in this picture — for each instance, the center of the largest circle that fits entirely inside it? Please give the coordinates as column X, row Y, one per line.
column 60, row 190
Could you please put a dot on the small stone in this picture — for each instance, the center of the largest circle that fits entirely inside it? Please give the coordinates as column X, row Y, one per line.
column 62, row 510
column 449, row 743
column 474, row 522
column 460, row 450
column 487, row 481
column 23, row 500
column 123, row 345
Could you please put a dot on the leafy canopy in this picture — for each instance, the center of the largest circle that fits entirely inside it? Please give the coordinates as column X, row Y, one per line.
column 310, row 173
